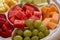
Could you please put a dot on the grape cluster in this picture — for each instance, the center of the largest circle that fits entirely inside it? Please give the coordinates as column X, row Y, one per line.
column 38, row 32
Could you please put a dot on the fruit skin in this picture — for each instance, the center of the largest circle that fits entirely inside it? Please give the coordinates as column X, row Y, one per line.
column 29, row 23
column 27, row 33
column 46, row 33
column 26, row 38
column 37, row 23
column 34, row 38
column 41, row 35
column 42, row 28
column 35, row 32
column 18, row 38
column 19, row 24
column 19, row 32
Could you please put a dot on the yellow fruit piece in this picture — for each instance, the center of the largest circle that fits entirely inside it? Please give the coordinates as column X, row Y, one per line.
column 6, row 6
column 52, row 25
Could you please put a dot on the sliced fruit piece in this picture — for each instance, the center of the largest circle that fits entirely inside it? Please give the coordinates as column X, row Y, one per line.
column 37, row 23
column 34, row 18
column 2, row 16
column 18, row 38
column 53, row 8
column 37, row 14
column 19, row 24
column 20, row 15
column 28, row 13
column 11, row 14
column 52, row 25
column 30, row 7
column 55, row 17
column 8, row 25
column 45, row 21
column 12, row 19
column 2, row 21
column 27, row 33
column 17, row 7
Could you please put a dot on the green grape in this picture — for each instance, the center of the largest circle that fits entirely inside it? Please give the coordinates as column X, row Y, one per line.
column 37, row 23
column 35, row 32
column 42, row 28
column 26, row 38
column 46, row 33
column 18, row 38
column 41, row 35
column 27, row 33
column 19, row 32
column 29, row 23
column 35, row 38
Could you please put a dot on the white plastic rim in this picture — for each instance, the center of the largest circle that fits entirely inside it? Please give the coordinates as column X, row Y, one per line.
column 53, row 33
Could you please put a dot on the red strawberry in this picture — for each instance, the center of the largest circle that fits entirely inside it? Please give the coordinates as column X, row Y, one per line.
column 37, row 14
column 34, row 18
column 19, row 24
column 28, row 13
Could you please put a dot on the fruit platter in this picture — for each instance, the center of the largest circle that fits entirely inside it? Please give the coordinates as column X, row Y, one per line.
column 28, row 19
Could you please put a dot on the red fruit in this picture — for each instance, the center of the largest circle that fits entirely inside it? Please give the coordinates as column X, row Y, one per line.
column 12, row 13
column 12, row 19
column 20, row 15
column 37, row 14
column 28, row 13
column 8, row 25
column 2, row 21
column 30, row 7
column 19, row 24
column 34, row 18
column 2, row 16
column 17, row 7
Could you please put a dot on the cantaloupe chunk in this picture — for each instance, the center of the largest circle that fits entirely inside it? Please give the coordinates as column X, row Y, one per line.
column 46, row 21
column 53, row 8
column 55, row 17
column 52, row 25
column 44, row 9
